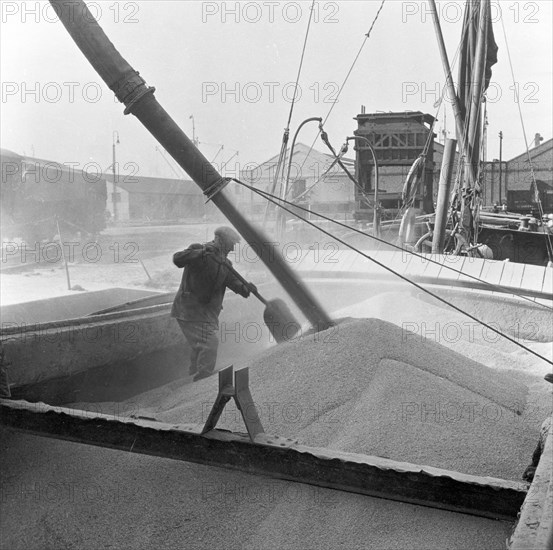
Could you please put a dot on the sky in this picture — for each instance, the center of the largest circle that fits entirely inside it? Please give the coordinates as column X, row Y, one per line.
column 231, row 66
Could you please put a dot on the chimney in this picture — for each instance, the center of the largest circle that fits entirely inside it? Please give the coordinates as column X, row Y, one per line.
column 537, row 139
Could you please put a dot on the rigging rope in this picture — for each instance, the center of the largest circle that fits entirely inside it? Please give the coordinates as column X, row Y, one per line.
column 406, row 279
column 284, row 144
column 367, row 36
column 301, row 64
column 534, row 182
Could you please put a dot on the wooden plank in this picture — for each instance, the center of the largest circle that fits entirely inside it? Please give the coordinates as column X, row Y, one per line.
column 533, row 277
column 275, row 457
column 512, row 275
column 548, row 281
column 452, row 266
column 492, row 272
column 472, row 267
column 434, row 266
column 417, row 266
column 402, row 263
column 460, row 267
column 447, row 273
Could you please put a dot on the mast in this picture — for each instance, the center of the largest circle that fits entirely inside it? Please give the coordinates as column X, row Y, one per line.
column 454, row 98
column 474, row 71
column 444, row 187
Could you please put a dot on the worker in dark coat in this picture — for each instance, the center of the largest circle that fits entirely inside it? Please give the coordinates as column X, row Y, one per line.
column 199, row 300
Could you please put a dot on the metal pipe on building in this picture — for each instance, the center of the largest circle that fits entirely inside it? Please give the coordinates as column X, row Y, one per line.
column 281, row 214
column 444, row 189
column 131, row 89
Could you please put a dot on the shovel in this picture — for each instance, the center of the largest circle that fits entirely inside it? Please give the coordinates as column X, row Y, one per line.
column 277, row 315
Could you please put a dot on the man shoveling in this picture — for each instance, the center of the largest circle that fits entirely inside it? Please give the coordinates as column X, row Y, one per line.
column 199, row 301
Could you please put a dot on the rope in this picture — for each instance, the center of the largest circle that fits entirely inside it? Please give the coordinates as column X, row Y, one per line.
column 285, row 136
column 301, row 63
column 367, row 36
column 534, row 182
column 439, row 298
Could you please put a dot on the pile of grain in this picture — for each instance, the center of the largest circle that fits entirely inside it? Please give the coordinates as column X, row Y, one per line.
column 434, row 321
column 369, row 387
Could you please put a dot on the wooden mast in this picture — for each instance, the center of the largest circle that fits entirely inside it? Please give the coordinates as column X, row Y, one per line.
column 467, row 104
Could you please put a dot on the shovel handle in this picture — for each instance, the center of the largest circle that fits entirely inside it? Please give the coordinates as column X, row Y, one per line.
column 242, row 280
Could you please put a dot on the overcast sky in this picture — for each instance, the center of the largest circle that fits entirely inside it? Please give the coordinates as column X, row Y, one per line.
column 234, row 69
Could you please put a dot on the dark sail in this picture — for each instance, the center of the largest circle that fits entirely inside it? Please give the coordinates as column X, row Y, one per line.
column 491, row 53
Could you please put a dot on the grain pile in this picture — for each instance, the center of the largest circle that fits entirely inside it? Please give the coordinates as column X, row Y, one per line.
column 367, row 386
column 434, row 321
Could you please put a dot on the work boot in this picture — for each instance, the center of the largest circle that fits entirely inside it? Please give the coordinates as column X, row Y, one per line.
column 203, row 374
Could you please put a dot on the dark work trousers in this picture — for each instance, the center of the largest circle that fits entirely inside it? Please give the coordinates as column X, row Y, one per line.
column 202, row 337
